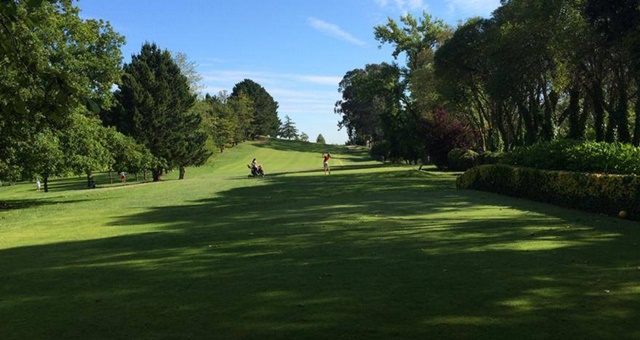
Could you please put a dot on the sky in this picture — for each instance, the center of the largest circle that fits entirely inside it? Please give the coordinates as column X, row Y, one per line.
column 298, row 50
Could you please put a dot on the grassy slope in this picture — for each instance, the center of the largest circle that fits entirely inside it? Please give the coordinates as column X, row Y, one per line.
column 369, row 252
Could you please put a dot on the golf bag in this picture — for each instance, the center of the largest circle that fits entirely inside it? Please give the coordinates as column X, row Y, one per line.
column 256, row 171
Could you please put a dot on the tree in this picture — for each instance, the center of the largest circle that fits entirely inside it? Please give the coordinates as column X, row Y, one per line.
column 368, row 95
column 288, row 129
column 243, row 110
column 228, row 120
column 462, row 71
column 45, row 157
column 127, row 155
column 154, row 98
column 616, row 25
column 191, row 150
column 85, row 142
column 320, row 139
column 303, row 137
column 418, row 39
column 188, row 69
column 52, row 63
column 443, row 133
column 265, row 110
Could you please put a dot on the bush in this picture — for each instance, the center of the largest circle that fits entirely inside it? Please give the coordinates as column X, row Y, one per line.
column 462, row 159
column 608, row 194
column 599, row 157
column 489, row 157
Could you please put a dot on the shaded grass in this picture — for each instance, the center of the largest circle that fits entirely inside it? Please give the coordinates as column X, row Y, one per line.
column 376, row 252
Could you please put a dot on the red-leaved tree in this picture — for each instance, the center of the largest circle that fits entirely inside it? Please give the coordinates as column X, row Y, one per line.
column 442, row 133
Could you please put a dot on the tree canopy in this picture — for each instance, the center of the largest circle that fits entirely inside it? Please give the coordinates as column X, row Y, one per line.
column 54, row 63
column 154, row 99
column 265, row 109
column 533, row 71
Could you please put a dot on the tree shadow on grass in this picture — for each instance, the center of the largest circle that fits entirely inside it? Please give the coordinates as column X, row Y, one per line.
column 101, row 179
column 400, row 254
column 16, row 204
column 360, row 154
column 334, row 169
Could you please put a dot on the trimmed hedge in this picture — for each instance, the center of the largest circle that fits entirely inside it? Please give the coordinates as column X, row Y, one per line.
column 607, row 194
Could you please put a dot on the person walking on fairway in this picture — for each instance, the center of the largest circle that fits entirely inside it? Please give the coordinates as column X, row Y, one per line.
column 325, row 163
column 37, row 184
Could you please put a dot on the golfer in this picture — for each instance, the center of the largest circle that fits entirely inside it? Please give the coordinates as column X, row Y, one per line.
column 325, row 163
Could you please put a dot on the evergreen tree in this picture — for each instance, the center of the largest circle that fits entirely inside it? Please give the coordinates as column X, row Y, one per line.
column 320, row 139
column 265, row 113
column 303, row 137
column 288, row 129
column 154, row 98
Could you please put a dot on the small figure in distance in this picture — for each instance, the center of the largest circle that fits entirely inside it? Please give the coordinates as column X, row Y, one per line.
column 256, row 169
column 123, row 177
column 325, row 163
column 37, row 184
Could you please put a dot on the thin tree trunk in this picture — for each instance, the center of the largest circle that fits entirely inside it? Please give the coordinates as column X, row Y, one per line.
column 45, row 179
column 182, row 171
column 156, row 173
column 636, row 129
column 89, row 176
column 599, row 114
column 624, row 136
column 573, row 112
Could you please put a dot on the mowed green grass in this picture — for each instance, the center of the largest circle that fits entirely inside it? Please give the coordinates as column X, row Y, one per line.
column 370, row 252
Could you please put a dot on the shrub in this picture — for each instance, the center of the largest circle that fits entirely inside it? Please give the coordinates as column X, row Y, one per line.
column 600, row 157
column 462, row 159
column 608, row 194
column 489, row 157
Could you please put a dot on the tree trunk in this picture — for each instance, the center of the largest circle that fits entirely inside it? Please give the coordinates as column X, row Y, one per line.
column 45, row 179
column 547, row 119
column 89, row 177
column 599, row 114
column 573, row 112
column 612, row 123
column 156, row 173
column 624, row 136
column 110, row 178
column 529, row 125
column 182, row 171
column 636, row 129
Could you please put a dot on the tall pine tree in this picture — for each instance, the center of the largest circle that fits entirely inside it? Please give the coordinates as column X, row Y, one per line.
column 154, row 98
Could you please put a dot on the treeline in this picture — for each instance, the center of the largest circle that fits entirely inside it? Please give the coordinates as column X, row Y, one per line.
column 534, row 71
column 61, row 116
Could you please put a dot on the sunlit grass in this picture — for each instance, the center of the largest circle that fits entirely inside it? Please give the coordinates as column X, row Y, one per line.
column 370, row 252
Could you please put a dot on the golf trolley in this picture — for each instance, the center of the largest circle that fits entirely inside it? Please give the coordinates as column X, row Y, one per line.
column 256, row 171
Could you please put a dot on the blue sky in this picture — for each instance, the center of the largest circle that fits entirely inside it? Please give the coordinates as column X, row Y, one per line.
column 298, row 50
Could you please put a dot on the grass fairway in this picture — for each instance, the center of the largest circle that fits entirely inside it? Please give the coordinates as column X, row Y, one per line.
column 369, row 252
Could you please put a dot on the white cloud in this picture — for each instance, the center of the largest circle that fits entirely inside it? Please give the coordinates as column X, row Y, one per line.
column 307, row 98
column 295, row 93
column 334, row 31
column 402, row 5
column 473, row 7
